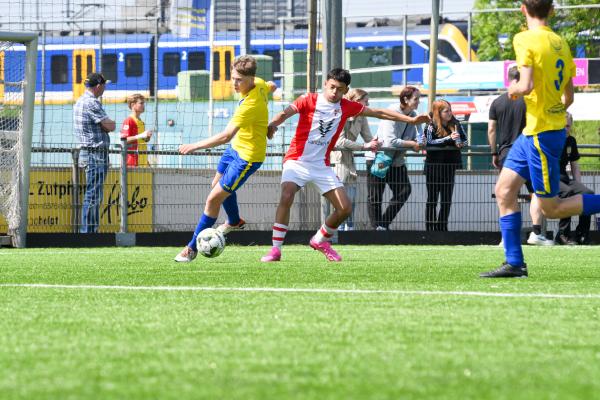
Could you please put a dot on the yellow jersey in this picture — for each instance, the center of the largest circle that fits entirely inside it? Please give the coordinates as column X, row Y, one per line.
column 252, row 117
column 553, row 67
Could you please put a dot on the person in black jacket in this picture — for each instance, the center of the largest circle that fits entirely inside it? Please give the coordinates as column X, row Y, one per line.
column 444, row 137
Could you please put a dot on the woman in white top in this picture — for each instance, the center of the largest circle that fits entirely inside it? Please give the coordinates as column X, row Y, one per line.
column 343, row 160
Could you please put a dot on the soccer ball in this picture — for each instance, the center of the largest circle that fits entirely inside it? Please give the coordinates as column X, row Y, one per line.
column 211, row 243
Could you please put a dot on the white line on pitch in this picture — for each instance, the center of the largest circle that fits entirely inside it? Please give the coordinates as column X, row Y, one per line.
column 306, row 290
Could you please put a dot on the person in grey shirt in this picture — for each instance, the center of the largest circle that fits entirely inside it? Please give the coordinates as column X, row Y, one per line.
column 401, row 136
column 91, row 126
column 343, row 160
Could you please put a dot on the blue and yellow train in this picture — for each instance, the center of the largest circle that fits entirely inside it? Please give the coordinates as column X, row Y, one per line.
column 130, row 60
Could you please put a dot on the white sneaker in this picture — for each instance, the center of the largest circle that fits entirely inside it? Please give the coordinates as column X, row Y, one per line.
column 381, row 228
column 225, row 228
column 186, row 255
column 539, row 240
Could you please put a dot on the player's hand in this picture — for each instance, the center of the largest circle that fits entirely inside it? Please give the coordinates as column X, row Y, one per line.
column 188, row 148
column 421, row 119
column 416, row 147
column 271, row 129
column 149, row 135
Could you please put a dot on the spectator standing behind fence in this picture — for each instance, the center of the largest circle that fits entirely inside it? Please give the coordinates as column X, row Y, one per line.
column 444, row 137
column 343, row 160
column 134, row 131
column 402, row 136
column 506, row 122
column 571, row 187
column 91, row 126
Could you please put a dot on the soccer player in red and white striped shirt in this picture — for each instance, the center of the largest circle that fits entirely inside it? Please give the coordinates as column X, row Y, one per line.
column 322, row 118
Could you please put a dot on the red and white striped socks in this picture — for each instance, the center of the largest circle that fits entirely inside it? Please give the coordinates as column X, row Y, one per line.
column 324, row 233
column 279, row 231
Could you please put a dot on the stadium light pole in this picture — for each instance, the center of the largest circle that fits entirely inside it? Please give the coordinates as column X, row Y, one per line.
column 312, row 47
column 244, row 27
column 433, row 46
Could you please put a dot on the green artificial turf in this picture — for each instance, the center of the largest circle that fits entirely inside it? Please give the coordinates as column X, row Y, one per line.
column 387, row 322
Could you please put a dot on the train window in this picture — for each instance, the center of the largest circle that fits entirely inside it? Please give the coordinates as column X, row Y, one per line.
column 59, row 65
column 276, row 59
column 171, row 64
column 90, row 64
column 78, row 77
column 133, row 64
column 397, row 55
column 216, row 65
column 109, row 67
column 227, row 65
column 446, row 49
column 196, row 61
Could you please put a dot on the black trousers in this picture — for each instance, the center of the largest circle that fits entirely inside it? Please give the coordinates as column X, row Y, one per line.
column 439, row 180
column 397, row 180
column 564, row 226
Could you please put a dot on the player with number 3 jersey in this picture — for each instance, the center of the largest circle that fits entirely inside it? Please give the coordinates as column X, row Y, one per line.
column 546, row 68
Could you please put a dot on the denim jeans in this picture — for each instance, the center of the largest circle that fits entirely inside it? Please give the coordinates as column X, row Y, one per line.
column 96, row 168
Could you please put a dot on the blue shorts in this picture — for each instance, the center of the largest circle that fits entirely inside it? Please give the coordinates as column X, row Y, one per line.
column 235, row 170
column 536, row 158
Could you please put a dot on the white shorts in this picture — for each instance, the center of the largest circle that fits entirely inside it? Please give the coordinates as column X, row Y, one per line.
column 302, row 173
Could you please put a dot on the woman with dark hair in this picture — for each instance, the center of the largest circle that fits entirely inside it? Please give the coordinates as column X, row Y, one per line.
column 444, row 137
column 398, row 136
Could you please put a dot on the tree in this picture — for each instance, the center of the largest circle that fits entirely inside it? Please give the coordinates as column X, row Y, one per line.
column 493, row 32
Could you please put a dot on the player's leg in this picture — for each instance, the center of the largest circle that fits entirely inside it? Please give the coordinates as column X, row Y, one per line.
column 333, row 190
column 293, row 177
column 234, row 173
column 512, row 177
column 211, row 211
column 282, row 220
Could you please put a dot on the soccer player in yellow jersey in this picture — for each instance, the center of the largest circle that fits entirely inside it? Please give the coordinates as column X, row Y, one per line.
column 546, row 68
column 247, row 132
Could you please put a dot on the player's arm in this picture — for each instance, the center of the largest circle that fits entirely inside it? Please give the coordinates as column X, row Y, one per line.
column 383, row 113
column 213, row 141
column 279, row 119
column 272, row 86
column 525, row 84
column 491, row 133
column 569, row 95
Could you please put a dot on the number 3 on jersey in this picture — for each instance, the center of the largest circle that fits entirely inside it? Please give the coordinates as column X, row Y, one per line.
column 560, row 65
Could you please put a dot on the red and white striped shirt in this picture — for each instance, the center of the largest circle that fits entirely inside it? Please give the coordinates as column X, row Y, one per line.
column 319, row 127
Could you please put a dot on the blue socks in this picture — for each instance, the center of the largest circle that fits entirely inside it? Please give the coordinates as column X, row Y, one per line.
column 205, row 222
column 591, row 203
column 510, row 226
column 230, row 206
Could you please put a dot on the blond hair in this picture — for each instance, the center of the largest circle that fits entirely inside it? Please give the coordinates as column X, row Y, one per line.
column 356, row 94
column 134, row 98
